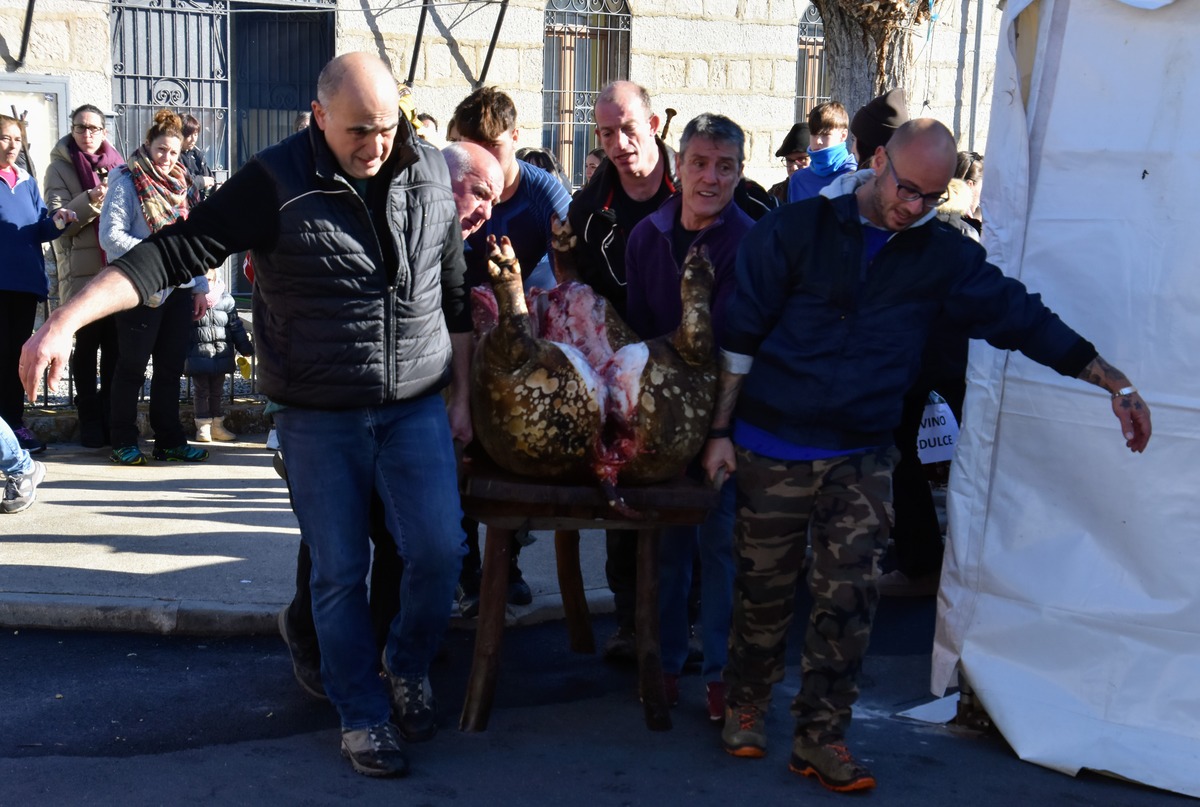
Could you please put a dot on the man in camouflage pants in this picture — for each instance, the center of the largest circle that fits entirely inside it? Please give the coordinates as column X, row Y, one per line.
column 823, row 336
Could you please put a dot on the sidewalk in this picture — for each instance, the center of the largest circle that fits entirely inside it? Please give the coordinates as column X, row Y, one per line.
column 206, row 548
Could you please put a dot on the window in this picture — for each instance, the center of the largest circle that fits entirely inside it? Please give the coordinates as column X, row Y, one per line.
column 812, row 79
column 586, row 47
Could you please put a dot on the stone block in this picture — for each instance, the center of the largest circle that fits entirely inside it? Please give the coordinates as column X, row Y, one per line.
column 762, row 75
column 739, row 75
column 670, row 73
column 718, row 73
column 697, row 74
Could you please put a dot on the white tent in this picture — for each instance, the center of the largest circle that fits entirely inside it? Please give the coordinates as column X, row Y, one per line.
column 1071, row 588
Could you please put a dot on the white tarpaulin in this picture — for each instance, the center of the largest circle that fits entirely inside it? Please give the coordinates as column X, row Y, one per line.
column 1071, row 588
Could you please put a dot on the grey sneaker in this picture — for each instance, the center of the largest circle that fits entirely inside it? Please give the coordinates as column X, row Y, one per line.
column 20, row 490
column 745, row 731
column 413, row 706
column 375, row 751
column 833, row 765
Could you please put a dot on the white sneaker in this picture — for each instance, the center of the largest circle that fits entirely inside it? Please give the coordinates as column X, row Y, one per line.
column 20, row 490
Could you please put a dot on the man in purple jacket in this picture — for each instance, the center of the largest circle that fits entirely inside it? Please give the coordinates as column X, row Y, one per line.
column 702, row 214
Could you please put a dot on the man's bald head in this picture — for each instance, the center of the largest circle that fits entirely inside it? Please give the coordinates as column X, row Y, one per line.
column 911, row 174
column 357, row 108
column 476, row 180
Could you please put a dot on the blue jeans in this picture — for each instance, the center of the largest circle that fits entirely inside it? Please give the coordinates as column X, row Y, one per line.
column 14, row 460
column 334, row 460
column 675, row 549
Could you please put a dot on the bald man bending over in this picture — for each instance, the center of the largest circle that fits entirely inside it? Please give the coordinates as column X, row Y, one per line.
column 361, row 318
column 823, row 336
column 477, row 181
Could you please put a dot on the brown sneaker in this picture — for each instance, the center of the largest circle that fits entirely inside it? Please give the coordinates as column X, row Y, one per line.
column 833, row 765
column 745, row 731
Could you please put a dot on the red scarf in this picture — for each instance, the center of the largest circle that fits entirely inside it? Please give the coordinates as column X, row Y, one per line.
column 164, row 197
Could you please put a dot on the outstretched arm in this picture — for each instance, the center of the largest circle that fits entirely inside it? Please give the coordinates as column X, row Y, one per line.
column 1127, row 404
column 108, row 292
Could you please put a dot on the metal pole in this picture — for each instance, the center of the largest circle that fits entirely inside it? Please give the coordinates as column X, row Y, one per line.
column 412, row 65
column 487, row 62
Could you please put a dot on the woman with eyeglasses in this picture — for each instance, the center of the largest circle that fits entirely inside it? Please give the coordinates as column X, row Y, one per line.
column 77, row 180
column 25, row 224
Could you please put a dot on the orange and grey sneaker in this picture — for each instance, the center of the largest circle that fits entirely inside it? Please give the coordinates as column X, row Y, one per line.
column 833, row 765
column 745, row 731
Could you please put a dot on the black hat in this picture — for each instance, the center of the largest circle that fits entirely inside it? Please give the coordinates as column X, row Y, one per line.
column 874, row 124
column 797, row 140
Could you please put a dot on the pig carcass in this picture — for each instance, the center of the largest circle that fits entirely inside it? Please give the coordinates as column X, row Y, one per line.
column 568, row 393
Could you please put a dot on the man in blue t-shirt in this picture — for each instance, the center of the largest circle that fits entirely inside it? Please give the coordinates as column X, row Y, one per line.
column 488, row 118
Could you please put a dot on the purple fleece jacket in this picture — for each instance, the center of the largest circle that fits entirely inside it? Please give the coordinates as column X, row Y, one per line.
column 653, row 274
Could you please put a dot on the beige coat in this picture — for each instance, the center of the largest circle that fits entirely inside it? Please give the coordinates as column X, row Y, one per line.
column 78, row 250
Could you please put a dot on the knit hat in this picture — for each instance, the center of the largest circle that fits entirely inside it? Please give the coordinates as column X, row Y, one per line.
column 875, row 123
column 797, row 140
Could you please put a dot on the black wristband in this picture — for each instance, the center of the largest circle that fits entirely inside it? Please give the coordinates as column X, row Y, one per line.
column 719, row 434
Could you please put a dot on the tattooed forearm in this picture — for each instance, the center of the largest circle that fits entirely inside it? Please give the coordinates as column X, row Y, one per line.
column 1103, row 374
column 728, row 387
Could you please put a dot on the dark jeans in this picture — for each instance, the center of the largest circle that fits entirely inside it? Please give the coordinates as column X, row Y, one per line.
column 97, row 340
column 209, row 392
column 386, row 569
column 620, row 569
column 917, row 535
column 17, row 312
column 163, row 333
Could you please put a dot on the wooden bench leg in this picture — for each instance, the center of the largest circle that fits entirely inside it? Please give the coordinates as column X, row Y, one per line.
column 489, row 631
column 570, row 584
column 649, row 650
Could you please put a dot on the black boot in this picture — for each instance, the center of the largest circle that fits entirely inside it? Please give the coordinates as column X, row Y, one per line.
column 92, row 431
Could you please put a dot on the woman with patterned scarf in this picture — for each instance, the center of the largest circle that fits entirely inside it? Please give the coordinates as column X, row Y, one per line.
column 77, row 179
column 146, row 195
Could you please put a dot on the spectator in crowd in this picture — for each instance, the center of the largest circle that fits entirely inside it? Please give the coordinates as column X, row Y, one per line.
column 215, row 336
column 25, row 224
column 146, row 195
column 703, row 215
column 875, row 123
column 202, row 177
column 591, row 162
column 970, row 170
column 21, row 473
column 543, row 159
column 302, row 121
column 829, row 155
column 476, row 180
column 77, row 179
column 812, row 425
column 794, row 152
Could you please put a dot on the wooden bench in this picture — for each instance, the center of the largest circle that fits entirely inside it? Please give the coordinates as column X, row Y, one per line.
column 505, row 503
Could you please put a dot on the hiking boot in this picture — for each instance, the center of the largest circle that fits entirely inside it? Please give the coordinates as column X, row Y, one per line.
column 184, row 453
column 413, row 706
column 715, row 696
column 833, row 765
column 375, row 751
column 29, row 441
column 306, row 659
column 128, row 455
column 621, row 646
column 745, row 731
column 21, row 489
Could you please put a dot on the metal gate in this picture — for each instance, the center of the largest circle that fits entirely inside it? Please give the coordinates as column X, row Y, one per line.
column 812, row 77
column 171, row 53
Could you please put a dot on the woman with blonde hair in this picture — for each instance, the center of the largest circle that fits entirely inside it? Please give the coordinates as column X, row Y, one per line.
column 149, row 193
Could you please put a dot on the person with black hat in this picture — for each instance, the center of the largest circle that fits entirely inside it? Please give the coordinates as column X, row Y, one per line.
column 874, row 124
column 794, row 151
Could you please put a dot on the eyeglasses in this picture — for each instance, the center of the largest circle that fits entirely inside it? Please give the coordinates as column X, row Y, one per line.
column 907, row 193
column 81, row 129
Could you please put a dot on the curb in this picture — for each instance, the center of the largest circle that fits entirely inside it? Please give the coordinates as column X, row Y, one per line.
column 209, row 618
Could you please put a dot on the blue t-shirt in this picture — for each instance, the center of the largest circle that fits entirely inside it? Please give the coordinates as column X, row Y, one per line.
column 525, row 219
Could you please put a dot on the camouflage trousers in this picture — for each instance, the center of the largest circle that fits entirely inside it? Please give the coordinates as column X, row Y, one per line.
column 845, row 500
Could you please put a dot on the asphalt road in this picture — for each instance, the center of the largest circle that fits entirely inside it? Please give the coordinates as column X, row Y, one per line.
column 129, row 720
